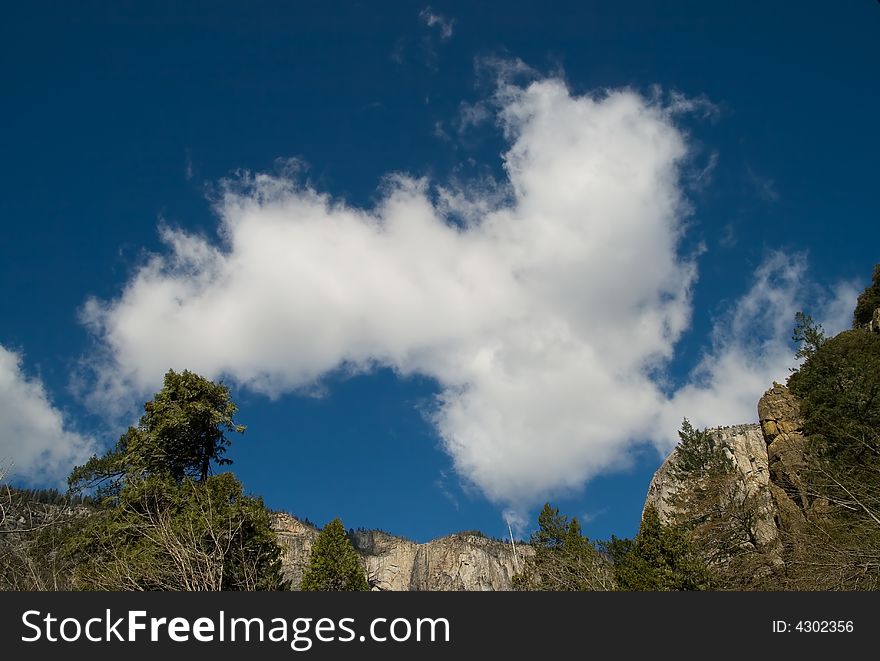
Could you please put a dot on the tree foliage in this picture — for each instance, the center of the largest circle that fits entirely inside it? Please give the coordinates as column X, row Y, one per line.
column 808, row 334
column 698, row 455
column 838, row 387
column 181, row 434
column 165, row 522
column 839, row 391
column 716, row 511
column 181, row 536
column 564, row 559
column 868, row 301
column 661, row 558
column 334, row 565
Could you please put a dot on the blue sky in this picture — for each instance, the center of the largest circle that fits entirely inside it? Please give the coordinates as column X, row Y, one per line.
column 453, row 260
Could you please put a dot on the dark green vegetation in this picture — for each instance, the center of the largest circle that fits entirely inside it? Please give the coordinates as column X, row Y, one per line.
column 334, row 566
column 838, row 545
column 839, row 391
column 163, row 534
column 660, row 558
column 677, row 555
column 698, row 456
column 181, row 435
column 868, row 301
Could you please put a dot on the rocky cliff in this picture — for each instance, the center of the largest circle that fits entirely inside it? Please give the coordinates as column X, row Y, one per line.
column 455, row 562
column 745, row 448
column 768, row 458
column 874, row 324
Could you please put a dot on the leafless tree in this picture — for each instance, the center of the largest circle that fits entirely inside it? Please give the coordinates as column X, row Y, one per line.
column 837, row 546
column 31, row 540
column 173, row 553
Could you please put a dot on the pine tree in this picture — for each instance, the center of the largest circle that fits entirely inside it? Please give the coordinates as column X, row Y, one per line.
column 181, row 434
column 552, row 528
column 868, row 301
column 697, row 454
column 334, row 566
column 808, row 334
column 564, row 560
column 166, row 523
column 661, row 558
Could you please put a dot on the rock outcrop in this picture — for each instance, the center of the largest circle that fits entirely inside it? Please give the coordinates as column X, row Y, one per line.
column 746, row 449
column 455, row 562
column 782, row 426
column 770, row 458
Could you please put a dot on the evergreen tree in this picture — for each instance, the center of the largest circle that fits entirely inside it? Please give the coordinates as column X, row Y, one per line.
column 186, row 536
column 698, row 455
column 807, row 333
column 868, row 301
column 552, row 528
column 839, row 391
column 182, row 433
column 165, row 522
column 564, row 559
column 661, row 558
column 334, row 565
column 714, row 510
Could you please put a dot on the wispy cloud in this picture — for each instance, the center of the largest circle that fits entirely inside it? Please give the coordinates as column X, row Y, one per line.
column 188, row 172
column 764, row 187
column 589, row 517
column 728, row 237
column 473, row 114
column 442, row 485
column 434, row 20
column 751, row 345
column 702, row 176
column 678, row 103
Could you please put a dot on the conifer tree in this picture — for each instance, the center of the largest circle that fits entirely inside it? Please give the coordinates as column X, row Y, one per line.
column 564, row 560
column 181, row 434
column 334, row 566
column 697, row 454
column 868, row 301
column 164, row 522
column 661, row 558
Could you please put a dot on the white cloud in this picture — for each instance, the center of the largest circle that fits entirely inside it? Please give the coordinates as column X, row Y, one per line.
column 34, row 443
column 473, row 114
column 433, row 19
column 751, row 346
column 544, row 313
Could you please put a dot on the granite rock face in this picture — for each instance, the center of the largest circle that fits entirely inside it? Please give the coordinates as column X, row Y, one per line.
column 745, row 448
column 296, row 539
column 455, row 562
column 770, row 458
column 782, row 425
